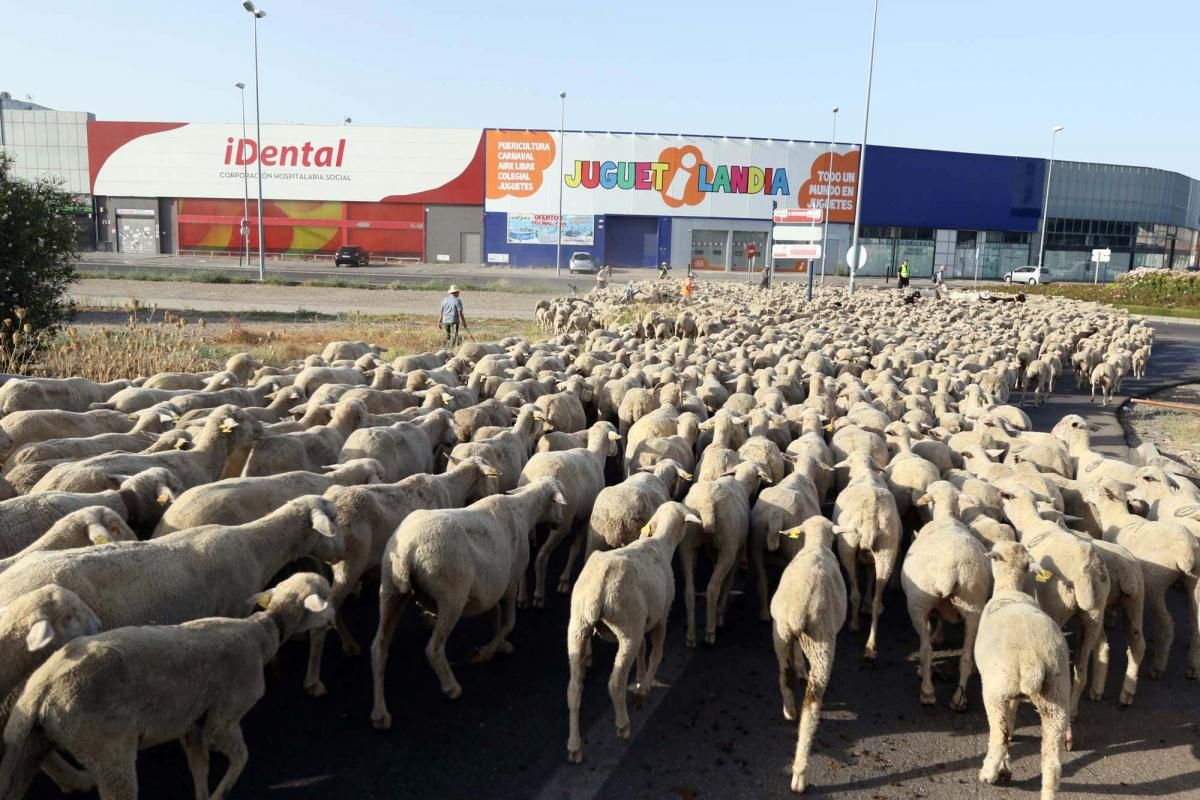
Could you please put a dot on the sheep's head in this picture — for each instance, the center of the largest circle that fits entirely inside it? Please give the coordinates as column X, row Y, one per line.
column 49, row 616
column 305, row 594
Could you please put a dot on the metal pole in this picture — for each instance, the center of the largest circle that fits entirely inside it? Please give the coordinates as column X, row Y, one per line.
column 262, row 260
column 1046, row 200
column 244, row 250
column 562, row 118
column 828, row 210
column 862, row 155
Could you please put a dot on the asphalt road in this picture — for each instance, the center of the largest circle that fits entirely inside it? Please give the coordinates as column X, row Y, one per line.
column 716, row 731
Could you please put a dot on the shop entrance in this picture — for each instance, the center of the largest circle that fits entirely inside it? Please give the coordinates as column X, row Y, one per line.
column 631, row 241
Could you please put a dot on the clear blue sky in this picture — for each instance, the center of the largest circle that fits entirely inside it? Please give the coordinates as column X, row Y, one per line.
column 975, row 75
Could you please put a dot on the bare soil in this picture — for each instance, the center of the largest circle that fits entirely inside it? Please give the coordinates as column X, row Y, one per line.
column 1174, row 433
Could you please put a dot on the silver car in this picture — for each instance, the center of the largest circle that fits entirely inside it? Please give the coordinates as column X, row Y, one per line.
column 1031, row 275
column 582, row 262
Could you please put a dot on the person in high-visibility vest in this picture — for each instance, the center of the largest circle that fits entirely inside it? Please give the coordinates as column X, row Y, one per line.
column 903, row 273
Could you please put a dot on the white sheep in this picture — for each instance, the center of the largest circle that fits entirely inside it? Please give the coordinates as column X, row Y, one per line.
column 94, row 525
column 1022, row 655
column 624, row 594
column 777, row 508
column 621, row 511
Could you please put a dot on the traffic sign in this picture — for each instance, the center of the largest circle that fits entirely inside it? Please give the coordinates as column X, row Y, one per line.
column 794, row 215
column 1099, row 256
column 856, row 257
column 795, row 251
column 797, row 233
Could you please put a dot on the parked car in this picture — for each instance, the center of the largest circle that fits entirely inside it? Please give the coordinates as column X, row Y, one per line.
column 1030, row 274
column 582, row 262
column 352, row 255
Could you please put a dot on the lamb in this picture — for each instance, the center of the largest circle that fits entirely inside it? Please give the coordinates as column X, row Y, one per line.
column 1167, row 553
column 867, row 511
column 237, row 501
column 404, row 448
column 103, row 697
column 945, row 571
column 62, row 394
column 808, row 609
column 226, row 430
column 723, row 506
column 367, row 517
column 87, row 526
column 1021, row 654
column 620, row 511
column 624, row 594
column 28, row 427
column 307, row 450
column 779, row 507
column 581, row 473
column 462, row 562
column 507, row 451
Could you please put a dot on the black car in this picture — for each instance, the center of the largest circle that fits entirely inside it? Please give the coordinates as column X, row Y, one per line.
column 352, row 255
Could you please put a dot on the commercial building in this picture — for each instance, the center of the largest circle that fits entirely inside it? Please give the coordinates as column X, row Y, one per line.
column 630, row 199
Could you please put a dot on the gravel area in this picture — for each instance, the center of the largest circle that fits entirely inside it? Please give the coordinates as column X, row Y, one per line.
column 1175, row 433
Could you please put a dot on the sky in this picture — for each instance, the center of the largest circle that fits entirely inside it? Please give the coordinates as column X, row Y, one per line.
column 972, row 75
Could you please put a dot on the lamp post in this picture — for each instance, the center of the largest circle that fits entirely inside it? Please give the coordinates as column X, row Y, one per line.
column 244, row 250
column 828, row 210
column 256, row 15
column 862, row 154
column 1046, row 200
column 562, row 118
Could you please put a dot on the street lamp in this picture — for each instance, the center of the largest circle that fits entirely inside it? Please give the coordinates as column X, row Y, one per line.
column 1046, row 200
column 828, row 208
column 562, row 118
column 244, row 250
column 262, row 261
column 862, row 155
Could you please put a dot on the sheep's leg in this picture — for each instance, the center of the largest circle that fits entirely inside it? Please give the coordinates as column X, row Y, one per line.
column 1192, row 587
column 846, row 555
column 116, row 779
column 884, row 562
column 618, row 682
column 722, row 570
column 229, row 742
column 1092, row 625
column 564, row 580
column 196, row 750
column 505, row 621
column 578, row 636
column 966, row 661
column 542, row 562
column 819, row 655
column 449, row 611
column 1135, row 635
column 69, row 779
column 391, row 608
column 1054, row 738
column 687, row 561
column 726, row 587
column 995, row 764
column 1100, row 663
column 658, row 635
column 760, row 577
column 783, row 654
column 1165, row 632
column 918, row 613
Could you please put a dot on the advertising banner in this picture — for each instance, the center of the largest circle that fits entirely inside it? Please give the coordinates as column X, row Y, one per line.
column 542, row 229
column 651, row 174
column 298, row 162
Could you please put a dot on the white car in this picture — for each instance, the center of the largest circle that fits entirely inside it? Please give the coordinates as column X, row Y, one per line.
column 1030, row 275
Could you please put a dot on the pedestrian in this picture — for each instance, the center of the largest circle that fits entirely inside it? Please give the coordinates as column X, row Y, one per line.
column 451, row 316
column 903, row 273
column 941, row 274
column 603, row 276
column 689, row 286
column 662, row 270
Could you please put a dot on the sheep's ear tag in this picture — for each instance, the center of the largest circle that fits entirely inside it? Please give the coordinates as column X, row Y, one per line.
column 40, row 635
column 262, row 599
column 316, row 604
column 228, row 424
column 98, row 534
column 613, row 436
column 829, row 427
column 163, row 498
column 180, row 444
column 1043, row 575
column 491, row 472
column 646, row 529
column 687, row 476
column 792, row 533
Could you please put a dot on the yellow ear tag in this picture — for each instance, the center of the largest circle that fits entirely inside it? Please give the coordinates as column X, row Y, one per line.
column 263, row 600
column 792, row 533
column 179, row 444
column 687, row 476
column 163, row 499
column 646, row 529
column 1043, row 575
column 102, row 539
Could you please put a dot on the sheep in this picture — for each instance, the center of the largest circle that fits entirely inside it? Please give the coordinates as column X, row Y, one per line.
column 234, row 396
column 240, row 366
column 866, row 510
column 404, row 448
column 461, row 562
column 226, row 430
column 310, row 449
column 723, row 506
column 945, row 571
column 87, row 526
column 1141, row 358
column 784, row 505
column 507, row 451
column 367, row 516
column 1081, row 584
column 1167, row 553
column 1127, row 593
column 907, row 475
column 133, row 399
column 75, row 448
column 1039, row 375
column 581, row 473
column 564, row 410
column 350, row 350
column 139, row 500
column 28, row 427
column 807, row 611
column 312, row 378
column 103, row 697
column 620, row 511
column 237, row 501
column 624, row 594
column 1104, row 376
column 488, row 413
column 62, row 394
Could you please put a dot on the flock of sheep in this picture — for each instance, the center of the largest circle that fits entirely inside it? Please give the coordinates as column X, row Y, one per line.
column 834, row 448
